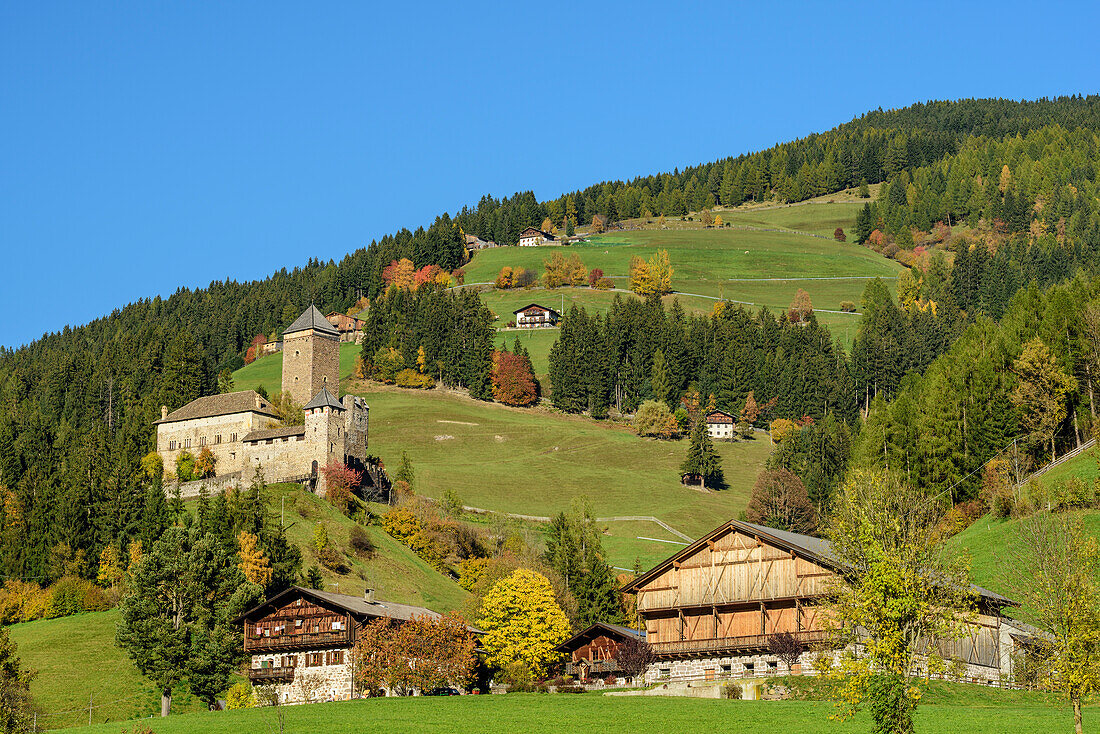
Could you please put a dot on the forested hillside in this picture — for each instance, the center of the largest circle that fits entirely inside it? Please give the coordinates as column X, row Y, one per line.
column 1020, row 176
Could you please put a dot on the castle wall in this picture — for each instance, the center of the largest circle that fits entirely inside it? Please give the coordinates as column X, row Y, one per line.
column 356, row 429
column 222, row 434
column 282, row 458
column 310, row 361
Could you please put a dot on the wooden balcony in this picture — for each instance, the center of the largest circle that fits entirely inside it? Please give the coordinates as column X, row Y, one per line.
column 271, row 675
column 594, row 668
column 306, row 641
column 727, row 645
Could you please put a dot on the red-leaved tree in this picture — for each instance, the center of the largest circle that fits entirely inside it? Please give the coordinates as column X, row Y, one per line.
column 254, row 348
column 340, row 480
column 594, row 276
column 513, row 380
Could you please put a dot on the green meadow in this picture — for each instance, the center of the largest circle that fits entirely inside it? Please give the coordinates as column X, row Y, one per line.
column 976, row 712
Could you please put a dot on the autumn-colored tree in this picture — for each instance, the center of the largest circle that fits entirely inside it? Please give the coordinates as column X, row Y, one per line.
column 399, row 274
column 152, row 466
column 205, row 463
column 110, row 570
column 718, row 220
column 801, row 308
column 781, row 428
column 653, row 418
column 421, row 360
column 418, row 655
column 779, row 500
column 908, row 288
column 1006, row 178
column 387, row 363
column 557, row 271
column 513, row 380
column 706, row 217
column 524, row 278
column 1040, row 393
column 1053, row 570
column 877, row 238
column 340, row 481
column 504, row 278
column 597, row 223
column 253, row 350
column 751, row 412
column 839, row 236
column 640, row 282
column 660, row 272
column 290, row 412
column 594, row 277
column 547, row 225
column 253, row 563
column 578, row 273
column 634, row 656
column 523, row 623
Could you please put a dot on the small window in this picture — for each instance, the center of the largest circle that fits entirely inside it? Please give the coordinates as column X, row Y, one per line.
column 187, row 443
column 269, row 441
column 217, row 438
column 336, row 657
column 171, row 445
column 664, row 673
column 202, row 440
column 232, row 455
column 232, row 437
column 295, row 379
column 296, row 353
column 773, row 666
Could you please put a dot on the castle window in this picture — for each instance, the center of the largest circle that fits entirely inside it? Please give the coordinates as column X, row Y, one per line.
column 232, row 437
column 232, row 455
column 217, row 438
column 295, row 379
column 202, row 440
column 187, row 443
column 300, row 438
column 296, row 352
column 171, row 445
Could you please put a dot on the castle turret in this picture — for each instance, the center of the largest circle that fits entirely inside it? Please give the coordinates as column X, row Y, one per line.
column 324, row 416
column 311, row 356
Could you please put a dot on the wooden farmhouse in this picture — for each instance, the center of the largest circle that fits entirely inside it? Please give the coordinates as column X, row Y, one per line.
column 721, row 425
column 591, row 653
column 301, row 641
column 710, row 610
column 532, row 237
column 350, row 327
column 533, row 316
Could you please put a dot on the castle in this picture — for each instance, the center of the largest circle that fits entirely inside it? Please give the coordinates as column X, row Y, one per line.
column 242, row 430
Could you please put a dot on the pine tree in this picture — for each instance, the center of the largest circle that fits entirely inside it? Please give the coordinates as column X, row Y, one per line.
column 702, row 460
column 660, row 380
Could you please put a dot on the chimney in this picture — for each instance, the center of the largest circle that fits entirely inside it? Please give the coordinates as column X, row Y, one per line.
column 163, row 412
column 259, row 402
column 368, row 595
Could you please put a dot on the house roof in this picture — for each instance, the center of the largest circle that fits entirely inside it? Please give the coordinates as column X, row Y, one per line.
column 720, row 412
column 356, row 605
column 597, row 628
column 343, row 322
column 535, row 305
column 323, row 399
column 313, row 319
column 281, row 432
column 814, row 549
column 243, row 401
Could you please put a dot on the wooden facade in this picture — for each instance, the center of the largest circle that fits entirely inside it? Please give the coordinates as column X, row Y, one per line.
column 591, row 652
column 728, row 593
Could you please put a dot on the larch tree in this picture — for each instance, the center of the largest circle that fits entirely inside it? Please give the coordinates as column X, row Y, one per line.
column 254, row 564
column 1041, row 391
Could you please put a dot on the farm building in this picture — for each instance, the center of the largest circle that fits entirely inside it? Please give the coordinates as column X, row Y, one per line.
column 473, row 243
column 710, row 609
column 349, row 327
column 721, row 425
column 532, row 237
column 533, row 316
column 591, row 652
column 301, row 641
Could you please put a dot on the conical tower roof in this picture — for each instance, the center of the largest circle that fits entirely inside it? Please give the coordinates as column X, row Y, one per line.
column 313, row 319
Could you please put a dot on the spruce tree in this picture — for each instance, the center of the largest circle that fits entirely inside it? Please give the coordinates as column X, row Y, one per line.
column 702, row 460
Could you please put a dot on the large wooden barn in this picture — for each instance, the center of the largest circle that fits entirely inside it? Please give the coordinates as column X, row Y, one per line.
column 710, row 609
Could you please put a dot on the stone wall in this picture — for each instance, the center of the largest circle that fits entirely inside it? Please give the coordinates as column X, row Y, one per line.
column 214, row 485
column 284, row 457
column 356, row 428
column 222, row 434
column 314, row 683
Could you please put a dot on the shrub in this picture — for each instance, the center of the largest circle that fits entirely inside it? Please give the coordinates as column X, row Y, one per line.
column 847, row 306
column 413, row 379
column 781, row 428
column 603, row 284
column 731, row 690
column 401, row 524
column 360, row 541
column 387, row 363
column 653, row 418
column 333, row 560
column 573, row 688
column 240, row 696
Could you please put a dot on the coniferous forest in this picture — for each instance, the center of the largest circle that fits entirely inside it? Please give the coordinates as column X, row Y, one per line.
column 77, row 404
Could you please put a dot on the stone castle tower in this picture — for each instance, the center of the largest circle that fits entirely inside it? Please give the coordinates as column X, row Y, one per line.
column 311, row 357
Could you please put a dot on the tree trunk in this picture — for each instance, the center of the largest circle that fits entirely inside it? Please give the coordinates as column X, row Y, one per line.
column 1077, row 714
column 165, row 701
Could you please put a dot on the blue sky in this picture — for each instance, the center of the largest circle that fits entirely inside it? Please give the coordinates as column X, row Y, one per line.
column 148, row 146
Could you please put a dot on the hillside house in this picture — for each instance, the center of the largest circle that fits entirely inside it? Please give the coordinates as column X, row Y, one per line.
column 533, row 316
column 532, row 237
column 591, row 652
column 475, row 243
column 242, row 429
column 301, row 640
column 721, row 425
column 710, row 609
column 349, row 327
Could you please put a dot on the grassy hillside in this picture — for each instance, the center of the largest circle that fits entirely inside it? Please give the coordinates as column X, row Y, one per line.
column 815, row 217
column 395, row 572
column 76, row 659
column 535, row 461
column 975, row 711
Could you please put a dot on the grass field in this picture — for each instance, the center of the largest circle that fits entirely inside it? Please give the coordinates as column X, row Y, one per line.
column 534, row 462
column 76, row 659
column 816, row 218
column 516, row 713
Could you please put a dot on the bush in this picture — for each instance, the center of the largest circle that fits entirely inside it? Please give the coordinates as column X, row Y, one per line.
column 653, row 418
column 240, row 696
column 71, row 595
column 731, row 690
column 413, row 379
column 333, row 561
column 360, row 541
column 847, row 306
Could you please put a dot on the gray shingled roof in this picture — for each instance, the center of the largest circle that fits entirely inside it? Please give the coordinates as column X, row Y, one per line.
column 356, row 605
column 243, row 401
column 284, row 431
column 311, row 318
column 323, row 399
column 624, row 631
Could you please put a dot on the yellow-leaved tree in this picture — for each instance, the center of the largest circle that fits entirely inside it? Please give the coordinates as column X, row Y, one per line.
column 254, row 564
column 1041, row 390
column 523, row 623
column 908, row 288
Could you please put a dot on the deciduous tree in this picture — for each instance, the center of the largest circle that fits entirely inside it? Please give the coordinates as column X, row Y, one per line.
column 779, row 500
column 1041, row 391
column 523, row 623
